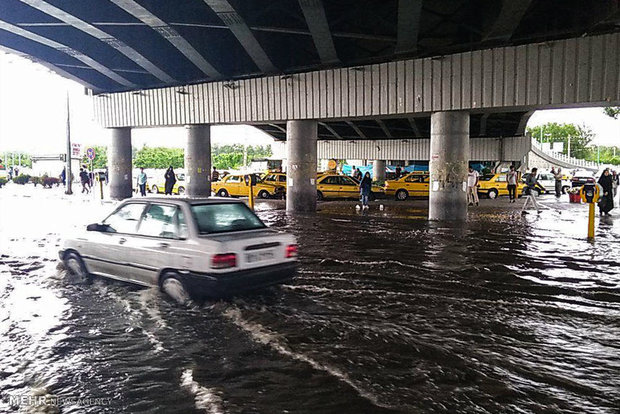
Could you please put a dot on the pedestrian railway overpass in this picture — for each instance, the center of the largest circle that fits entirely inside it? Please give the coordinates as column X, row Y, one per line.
column 435, row 76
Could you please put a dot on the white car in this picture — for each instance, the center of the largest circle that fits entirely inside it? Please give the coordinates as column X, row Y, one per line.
column 187, row 247
column 547, row 181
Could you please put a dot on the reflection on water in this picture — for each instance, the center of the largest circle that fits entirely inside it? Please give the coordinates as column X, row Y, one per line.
column 389, row 314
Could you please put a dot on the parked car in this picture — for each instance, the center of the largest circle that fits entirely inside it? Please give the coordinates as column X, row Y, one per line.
column 581, row 177
column 414, row 184
column 547, row 180
column 495, row 185
column 275, row 178
column 186, row 247
column 336, row 186
column 235, row 186
column 160, row 186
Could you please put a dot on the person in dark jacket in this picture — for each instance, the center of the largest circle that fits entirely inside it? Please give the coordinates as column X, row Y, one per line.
column 365, row 190
column 606, row 202
column 171, row 179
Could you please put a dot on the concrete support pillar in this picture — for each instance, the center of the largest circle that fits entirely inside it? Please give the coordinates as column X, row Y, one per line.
column 301, row 139
column 378, row 170
column 198, row 161
column 449, row 160
column 119, row 164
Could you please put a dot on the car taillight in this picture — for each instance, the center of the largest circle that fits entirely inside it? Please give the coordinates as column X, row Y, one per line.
column 575, row 179
column 224, row 261
column 590, row 180
column 291, row 250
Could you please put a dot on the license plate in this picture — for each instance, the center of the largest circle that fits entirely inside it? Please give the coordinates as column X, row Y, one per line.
column 259, row 256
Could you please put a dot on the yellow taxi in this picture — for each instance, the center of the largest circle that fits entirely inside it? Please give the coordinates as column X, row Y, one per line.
column 494, row 185
column 160, row 187
column 414, row 184
column 341, row 186
column 275, row 178
column 235, row 186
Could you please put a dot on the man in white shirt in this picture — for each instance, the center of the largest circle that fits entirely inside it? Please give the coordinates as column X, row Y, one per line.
column 472, row 187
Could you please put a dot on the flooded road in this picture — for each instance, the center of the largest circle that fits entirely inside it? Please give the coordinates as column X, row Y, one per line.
column 389, row 314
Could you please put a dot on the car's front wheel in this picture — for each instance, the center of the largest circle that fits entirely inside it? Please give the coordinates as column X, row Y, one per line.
column 181, row 190
column 402, row 195
column 319, row 196
column 263, row 194
column 492, row 194
column 75, row 266
column 172, row 286
column 222, row 193
column 154, row 189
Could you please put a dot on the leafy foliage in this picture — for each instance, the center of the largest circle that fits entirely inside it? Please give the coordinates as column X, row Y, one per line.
column 158, row 157
column 231, row 156
column 21, row 179
column 17, row 158
column 2, row 181
column 101, row 156
column 580, row 137
column 612, row 111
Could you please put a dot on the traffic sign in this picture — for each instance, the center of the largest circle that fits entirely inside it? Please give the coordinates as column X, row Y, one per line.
column 90, row 153
column 76, row 149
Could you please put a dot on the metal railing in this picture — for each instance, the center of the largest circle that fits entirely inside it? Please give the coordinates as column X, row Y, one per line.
column 576, row 162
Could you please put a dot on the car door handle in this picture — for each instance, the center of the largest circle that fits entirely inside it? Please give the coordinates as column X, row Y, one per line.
column 163, row 245
column 122, row 240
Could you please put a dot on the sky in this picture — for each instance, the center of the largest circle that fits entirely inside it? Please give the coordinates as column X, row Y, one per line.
column 33, row 116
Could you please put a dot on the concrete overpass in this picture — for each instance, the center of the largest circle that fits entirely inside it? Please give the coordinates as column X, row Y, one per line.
column 311, row 69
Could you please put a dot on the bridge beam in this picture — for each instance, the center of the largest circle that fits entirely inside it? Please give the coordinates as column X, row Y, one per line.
column 314, row 13
column 409, row 12
column 301, row 137
column 198, row 161
column 449, row 160
column 119, row 164
column 226, row 12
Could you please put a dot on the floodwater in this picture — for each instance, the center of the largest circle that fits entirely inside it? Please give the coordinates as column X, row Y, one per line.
column 389, row 314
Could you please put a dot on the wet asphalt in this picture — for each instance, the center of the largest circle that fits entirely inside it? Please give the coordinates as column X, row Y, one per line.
column 389, row 313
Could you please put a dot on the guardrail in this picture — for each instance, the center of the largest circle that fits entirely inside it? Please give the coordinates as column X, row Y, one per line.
column 575, row 162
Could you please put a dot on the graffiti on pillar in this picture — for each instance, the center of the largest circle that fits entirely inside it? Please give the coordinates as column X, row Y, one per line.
column 449, row 175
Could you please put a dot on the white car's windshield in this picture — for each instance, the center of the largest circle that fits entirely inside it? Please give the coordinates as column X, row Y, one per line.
column 224, row 217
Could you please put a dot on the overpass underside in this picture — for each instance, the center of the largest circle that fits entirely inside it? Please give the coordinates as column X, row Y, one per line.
column 440, row 105
column 309, row 70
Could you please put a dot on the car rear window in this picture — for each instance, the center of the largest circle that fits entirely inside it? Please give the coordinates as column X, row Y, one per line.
column 224, row 217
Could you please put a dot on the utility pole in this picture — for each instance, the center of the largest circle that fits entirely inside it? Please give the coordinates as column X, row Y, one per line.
column 68, row 164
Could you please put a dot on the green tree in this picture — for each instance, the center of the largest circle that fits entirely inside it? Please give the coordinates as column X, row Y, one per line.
column 580, row 137
column 17, row 158
column 158, row 157
column 101, row 156
column 231, row 156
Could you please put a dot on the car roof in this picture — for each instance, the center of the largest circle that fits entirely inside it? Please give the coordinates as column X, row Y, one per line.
column 183, row 200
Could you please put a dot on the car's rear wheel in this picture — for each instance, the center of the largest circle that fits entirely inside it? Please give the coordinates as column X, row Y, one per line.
column 402, row 195
column 222, row 193
column 172, row 286
column 181, row 190
column 154, row 189
column 75, row 266
column 319, row 196
column 492, row 194
column 263, row 194
column 372, row 196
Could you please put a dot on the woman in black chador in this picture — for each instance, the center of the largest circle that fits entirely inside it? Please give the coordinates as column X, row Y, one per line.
column 170, row 180
column 606, row 202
